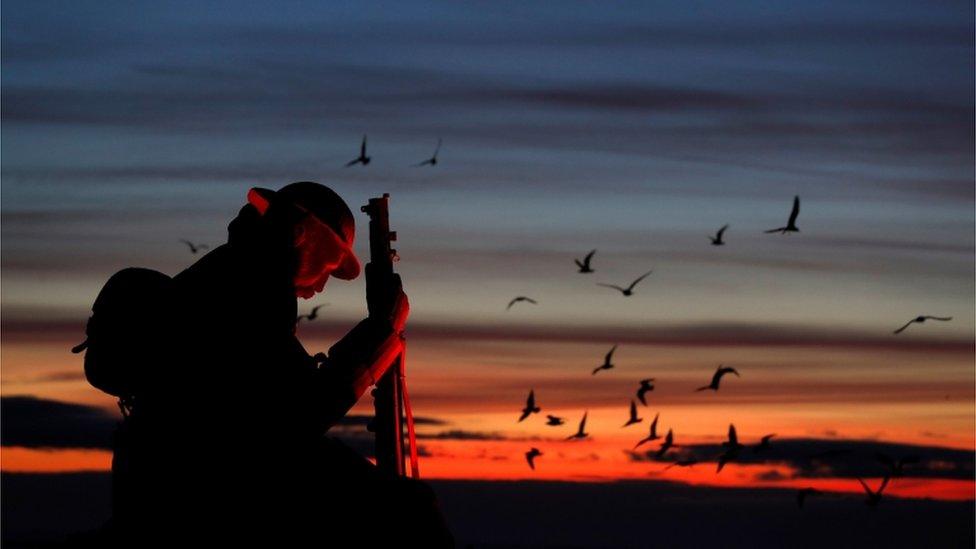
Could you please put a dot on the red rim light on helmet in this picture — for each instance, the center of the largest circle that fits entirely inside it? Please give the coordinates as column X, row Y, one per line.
column 348, row 267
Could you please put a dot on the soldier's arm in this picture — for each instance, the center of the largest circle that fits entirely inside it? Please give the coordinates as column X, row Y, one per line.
column 358, row 361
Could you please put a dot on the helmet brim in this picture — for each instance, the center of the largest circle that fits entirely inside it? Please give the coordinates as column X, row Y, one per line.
column 349, row 266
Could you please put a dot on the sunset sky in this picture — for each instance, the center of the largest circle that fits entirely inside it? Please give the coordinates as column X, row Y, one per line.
column 632, row 129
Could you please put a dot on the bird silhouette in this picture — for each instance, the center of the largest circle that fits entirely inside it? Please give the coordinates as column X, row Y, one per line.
column 362, row 158
column 530, row 457
column 554, row 421
column 791, row 224
column 606, row 361
column 666, row 445
column 763, row 444
column 874, row 498
column 732, row 448
column 717, row 239
column 432, row 161
column 682, row 463
column 803, row 493
column 733, row 440
column 653, row 435
column 194, row 248
column 521, row 298
column 581, row 433
column 530, row 407
column 312, row 315
column 633, row 415
column 897, row 466
column 584, row 266
column 645, row 386
column 629, row 290
column 921, row 319
column 722, row 370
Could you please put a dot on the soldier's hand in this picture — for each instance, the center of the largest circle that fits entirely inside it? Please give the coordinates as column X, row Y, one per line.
column 385, row 299
column 401, row 310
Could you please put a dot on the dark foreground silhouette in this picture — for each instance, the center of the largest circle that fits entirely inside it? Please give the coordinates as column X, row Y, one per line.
column 223, row 437
column 629, row 514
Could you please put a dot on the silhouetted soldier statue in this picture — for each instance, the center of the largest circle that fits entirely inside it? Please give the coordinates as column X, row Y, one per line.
column 224, row 440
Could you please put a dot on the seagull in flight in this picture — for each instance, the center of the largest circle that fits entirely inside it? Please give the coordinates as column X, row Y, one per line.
column 580, row 433
column 555, row 421
column 717, row 239
column 432, row 161
column 312, row 315
column 521, row 298
column 606, row 361
column 921, row 319
column 666, row 445
column 763, row 444
column 362, row 158
column 531, row 455
column 633, row 415
column 682, row 463
column 584, row 266
column 803, row 493
column 791, row 224
column 732, row 449
column 530, row 407
column 629, row 290
column 194, row 248
column 653, row 435
column 874, row 498
column 722, row 370
column 645, row 386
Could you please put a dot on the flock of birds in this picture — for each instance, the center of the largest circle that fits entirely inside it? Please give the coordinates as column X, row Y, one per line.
column 732, row 447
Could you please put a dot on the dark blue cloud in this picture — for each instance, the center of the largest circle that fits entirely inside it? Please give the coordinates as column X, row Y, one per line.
column 41, row 423
column 823, row 458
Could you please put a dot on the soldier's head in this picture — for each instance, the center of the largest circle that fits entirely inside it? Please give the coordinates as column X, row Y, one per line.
column 323, row 229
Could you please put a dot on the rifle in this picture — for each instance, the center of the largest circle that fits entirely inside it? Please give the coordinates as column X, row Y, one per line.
column 390, row 398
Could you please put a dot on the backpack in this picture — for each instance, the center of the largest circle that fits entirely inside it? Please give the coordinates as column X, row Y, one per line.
column 126, row 332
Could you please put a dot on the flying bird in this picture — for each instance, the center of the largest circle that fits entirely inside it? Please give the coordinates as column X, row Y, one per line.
column 666, row 445
column 633, row 415
column 732, row 449
column 763, row 444
column 722, row 370
column 312, row 315
column 645, row 386
column 629, row 290
column 530, row 407
column 521, row 298
column 194, row 248
column 921, row 319
column 791, row 224
column 733, row 441
column 580, row 433
column 555, row 421
column 362, row 158
column 606, row 361
column 897, row 466
column 653, row 436
column 717, row 239
column 682, row 463
column 432, row 161
column 803, row 493
column 584, row 266
column 531, row 455
column 874, row 498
